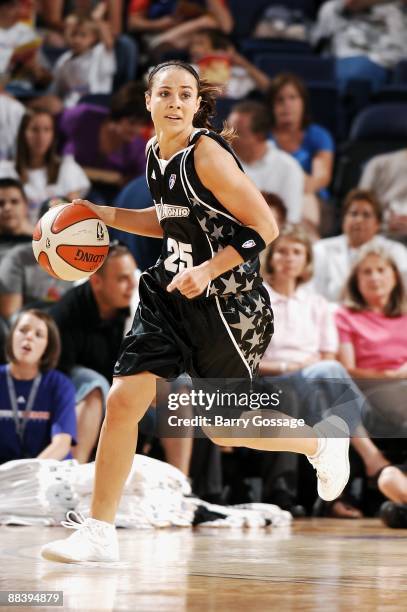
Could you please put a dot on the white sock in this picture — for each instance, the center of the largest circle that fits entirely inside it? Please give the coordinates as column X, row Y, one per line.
column 321, row 447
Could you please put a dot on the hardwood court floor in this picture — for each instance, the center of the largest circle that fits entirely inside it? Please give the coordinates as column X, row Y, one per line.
column 316, row 565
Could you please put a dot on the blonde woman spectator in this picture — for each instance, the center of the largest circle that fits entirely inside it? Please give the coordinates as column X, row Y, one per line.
column 373, row 337
column 305, row 343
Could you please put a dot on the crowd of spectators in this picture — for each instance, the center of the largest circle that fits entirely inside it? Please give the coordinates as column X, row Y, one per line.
column 73, row 123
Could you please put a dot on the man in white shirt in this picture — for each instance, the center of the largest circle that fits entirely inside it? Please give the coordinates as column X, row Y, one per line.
column 386, row 176
column 334, row 257
column 272, row 171
column 11, row 113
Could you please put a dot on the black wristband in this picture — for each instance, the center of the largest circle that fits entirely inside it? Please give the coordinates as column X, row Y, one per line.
column 247, row 242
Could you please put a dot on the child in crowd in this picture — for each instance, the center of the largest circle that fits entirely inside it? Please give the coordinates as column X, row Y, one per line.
column 219, row 62
column 90, row 64
column 87, row 68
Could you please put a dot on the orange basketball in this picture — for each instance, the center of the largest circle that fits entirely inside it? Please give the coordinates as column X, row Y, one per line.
column 70, row 242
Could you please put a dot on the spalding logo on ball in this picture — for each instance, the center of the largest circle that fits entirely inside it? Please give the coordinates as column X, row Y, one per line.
column 70, row 242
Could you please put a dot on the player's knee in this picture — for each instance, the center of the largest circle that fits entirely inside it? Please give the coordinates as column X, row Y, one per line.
column 122, row 408
column 388, row 477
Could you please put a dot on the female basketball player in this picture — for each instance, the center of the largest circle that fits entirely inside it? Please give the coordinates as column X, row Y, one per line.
column 203, row 309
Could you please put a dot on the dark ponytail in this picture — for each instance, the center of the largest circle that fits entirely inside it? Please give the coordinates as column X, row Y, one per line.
column 206, row 91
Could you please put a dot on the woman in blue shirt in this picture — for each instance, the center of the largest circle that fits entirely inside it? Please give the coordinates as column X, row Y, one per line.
column 310, row 144
column 37, row 403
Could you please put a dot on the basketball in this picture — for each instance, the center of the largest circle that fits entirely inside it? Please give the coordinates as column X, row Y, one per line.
column 70, row 242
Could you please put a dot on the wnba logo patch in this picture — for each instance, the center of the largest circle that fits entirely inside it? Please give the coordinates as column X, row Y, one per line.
column 100, row 234
column 172, row 180
column 248, row 244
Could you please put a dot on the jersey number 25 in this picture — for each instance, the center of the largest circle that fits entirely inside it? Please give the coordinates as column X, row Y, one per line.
column 180, row 256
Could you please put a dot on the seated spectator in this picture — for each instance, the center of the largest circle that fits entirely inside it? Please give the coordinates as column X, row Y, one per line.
column 385, row 175
column 366, row 36
column 170, row 25
column 277, row 207
column 52, row 15
column 271, row 170
column 42, row 172
column 91, row 318
column 108, row 144
column 372, row 328
column 20, row 44
column 11, row 113
column 302, row 352
column 87, row 68
column 24, row 283
column 309, row 143
column 283, row 22
column 15, row 227
column 362, row 214
column 37, row 401
column 218, row 62
column 392, row 483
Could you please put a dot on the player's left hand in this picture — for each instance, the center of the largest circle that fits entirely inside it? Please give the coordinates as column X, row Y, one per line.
column 191, row 282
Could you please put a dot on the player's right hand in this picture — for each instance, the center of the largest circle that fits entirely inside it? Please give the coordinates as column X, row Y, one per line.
column 105, row 213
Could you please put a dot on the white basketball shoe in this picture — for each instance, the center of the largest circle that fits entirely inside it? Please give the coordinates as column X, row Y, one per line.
column 93, row 540
column 332, row 459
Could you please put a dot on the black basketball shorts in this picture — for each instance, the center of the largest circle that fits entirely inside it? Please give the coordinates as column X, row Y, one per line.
column 207, row 338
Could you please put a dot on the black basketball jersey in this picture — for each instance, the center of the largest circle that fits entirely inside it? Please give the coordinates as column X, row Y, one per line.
column 196, row 225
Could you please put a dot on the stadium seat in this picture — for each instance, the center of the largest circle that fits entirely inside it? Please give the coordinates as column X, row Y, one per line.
column 245, row 15
column 136, row 195
column 326, row 108
column 352, row 156
column 126, row 52
column 400, row 73
column 307, row 7
column 391, row 93
column 257, row 46
column 96, row 99
column 309, row 67
column 223, row 108
column 378, row 129
column 386, row 121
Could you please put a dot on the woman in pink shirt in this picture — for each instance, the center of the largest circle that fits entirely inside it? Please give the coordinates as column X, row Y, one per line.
column 373, row 323
column 373, row 337
column 304, row 347
column 372, row 329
